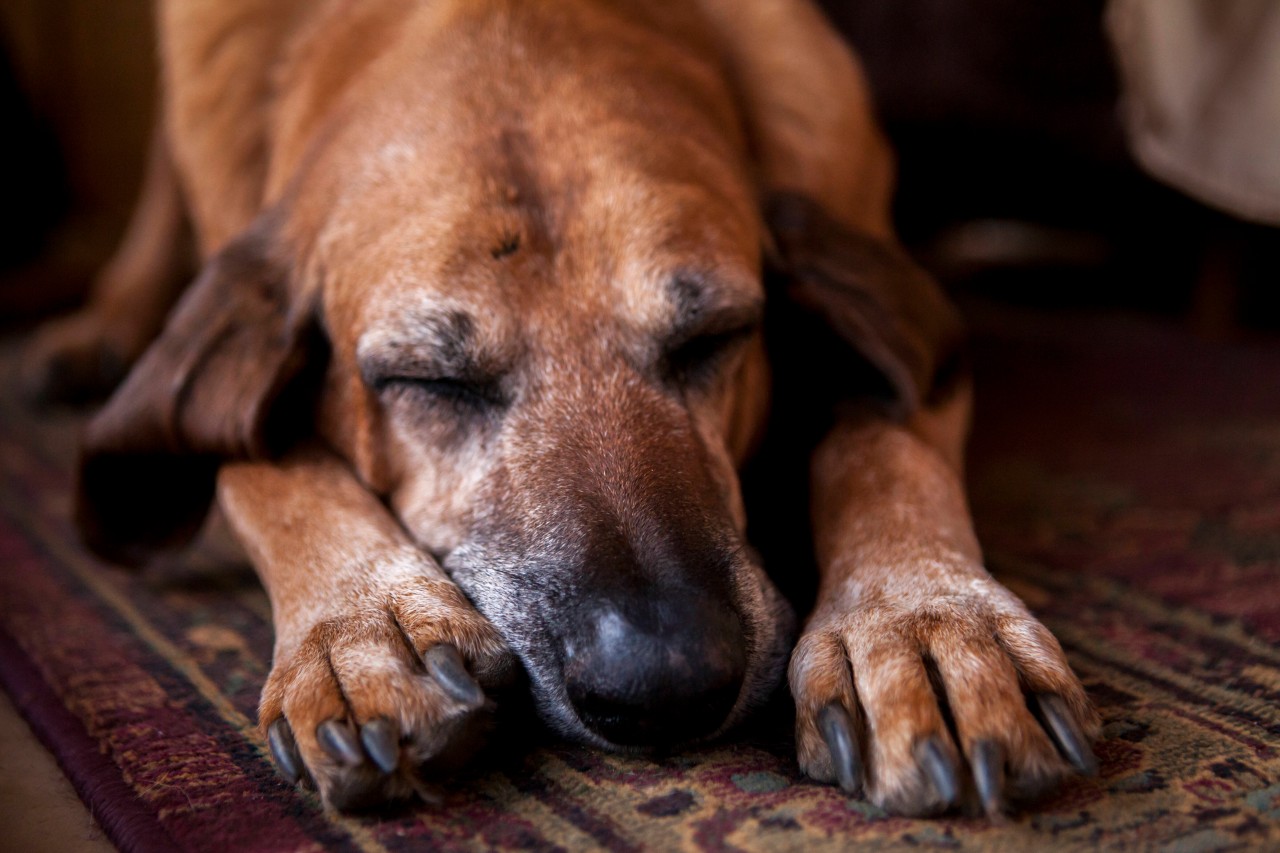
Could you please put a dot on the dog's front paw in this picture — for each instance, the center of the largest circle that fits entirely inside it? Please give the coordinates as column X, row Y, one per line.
column 956, row 696
column 79, row 357
column 372, row 703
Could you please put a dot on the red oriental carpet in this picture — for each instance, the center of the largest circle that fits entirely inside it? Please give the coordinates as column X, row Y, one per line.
column 1126, row 482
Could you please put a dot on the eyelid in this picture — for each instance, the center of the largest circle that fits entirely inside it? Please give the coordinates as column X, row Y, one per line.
column 411, row 374
column 399, row 371
column 694, row 359
column 732, row 322
column 458, row 392
column 380, row 369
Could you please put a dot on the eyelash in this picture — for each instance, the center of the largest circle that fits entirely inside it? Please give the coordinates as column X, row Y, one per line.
column 695, row 361
column 467, row 397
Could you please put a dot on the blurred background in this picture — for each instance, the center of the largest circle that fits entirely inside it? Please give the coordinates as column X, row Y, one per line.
column 77, row 86
column 1005, row 114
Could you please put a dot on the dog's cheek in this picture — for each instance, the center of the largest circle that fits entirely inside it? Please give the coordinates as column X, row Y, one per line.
column 744, row 406
column 436, row 488
column 710, row 425
column 729, row 423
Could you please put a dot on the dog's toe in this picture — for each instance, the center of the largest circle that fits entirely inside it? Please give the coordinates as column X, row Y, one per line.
column 365, row 721
column 988, row 776
column 446, row 667
column 284, row 749
column 842, row 745
column 340, row 741
column 358, row 709
column 934, row 758
column 966, row 703
column 1067, row 732
column 381, row 743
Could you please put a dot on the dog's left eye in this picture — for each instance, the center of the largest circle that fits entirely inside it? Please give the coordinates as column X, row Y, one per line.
column 697, row 360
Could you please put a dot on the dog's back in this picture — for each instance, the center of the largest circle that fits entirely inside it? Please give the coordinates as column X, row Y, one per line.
column 245, row 80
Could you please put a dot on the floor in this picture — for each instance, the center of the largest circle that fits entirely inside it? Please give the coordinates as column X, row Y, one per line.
column 41, row 812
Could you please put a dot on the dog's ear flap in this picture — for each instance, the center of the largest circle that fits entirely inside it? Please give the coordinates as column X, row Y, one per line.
column 231, row 376
column 874, row 299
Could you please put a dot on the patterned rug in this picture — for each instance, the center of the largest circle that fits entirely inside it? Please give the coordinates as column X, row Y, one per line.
column 1126, row 481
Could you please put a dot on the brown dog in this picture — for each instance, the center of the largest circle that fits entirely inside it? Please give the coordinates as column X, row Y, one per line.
column 503, row 263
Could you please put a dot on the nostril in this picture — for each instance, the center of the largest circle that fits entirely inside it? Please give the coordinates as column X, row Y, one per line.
column 663, row 686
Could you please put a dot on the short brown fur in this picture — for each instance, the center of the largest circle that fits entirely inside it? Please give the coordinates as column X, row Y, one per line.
column 487, row 225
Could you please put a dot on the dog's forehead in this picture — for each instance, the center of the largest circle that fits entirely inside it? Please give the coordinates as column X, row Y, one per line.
column 526, row 181
column 523, row 246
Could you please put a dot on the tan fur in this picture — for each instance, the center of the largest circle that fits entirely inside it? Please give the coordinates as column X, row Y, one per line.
column 902, row 581
column 348, row 591
column 546, row 170
column 809, row 110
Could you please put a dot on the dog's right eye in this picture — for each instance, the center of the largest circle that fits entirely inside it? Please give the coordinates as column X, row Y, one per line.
column 467, row 396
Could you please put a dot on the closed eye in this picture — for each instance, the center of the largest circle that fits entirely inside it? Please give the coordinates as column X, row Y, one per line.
column 696, row 361
column 464, row 395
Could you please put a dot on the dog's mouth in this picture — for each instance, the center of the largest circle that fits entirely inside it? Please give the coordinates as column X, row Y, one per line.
column 660, row 667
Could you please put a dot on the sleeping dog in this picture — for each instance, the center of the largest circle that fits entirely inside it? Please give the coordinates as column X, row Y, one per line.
column 474, row 359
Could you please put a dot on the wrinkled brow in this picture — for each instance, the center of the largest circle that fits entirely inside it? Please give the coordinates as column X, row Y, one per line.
column 427, row 345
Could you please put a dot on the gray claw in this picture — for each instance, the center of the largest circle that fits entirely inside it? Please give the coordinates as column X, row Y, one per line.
column 1067, row 734
column 940, row 769
column 340, row 743
column 285, row 750
column 382, row 744
column 988, row 776
column 837, row 731
column 446, row 667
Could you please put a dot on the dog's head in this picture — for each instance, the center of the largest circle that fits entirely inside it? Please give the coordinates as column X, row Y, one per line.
column 521, row 266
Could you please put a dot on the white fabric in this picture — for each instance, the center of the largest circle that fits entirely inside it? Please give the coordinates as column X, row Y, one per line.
column 1201, row 97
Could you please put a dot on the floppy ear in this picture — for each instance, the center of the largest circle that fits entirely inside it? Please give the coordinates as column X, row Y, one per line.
column 230, row 377
column 877, row 302
column 826, row 173
column 806, row 108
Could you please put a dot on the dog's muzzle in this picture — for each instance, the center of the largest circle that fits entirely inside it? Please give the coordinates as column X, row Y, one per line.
column 654, row 670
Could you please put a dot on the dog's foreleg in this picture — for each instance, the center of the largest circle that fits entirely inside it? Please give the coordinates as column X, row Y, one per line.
column 917, row 673
column 379, row 658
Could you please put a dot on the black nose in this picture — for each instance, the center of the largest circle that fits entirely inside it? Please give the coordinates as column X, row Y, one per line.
column 656, row 673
